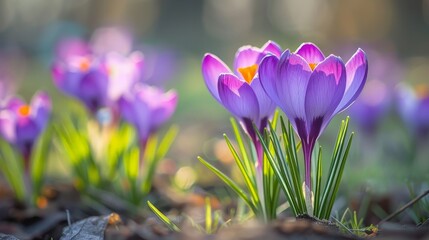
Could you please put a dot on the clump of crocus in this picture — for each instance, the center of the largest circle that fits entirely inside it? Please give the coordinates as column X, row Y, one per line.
column 96, row 74
column 413, row 107
column 147, row 109
column 240, row 90
column 21, row 123
column 311, row 89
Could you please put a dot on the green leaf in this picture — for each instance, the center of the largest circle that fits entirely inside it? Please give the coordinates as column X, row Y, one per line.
column 12, row 167
column 155, row 153
column 248, row 164
column 38, row 161
column 336, row 168
column 163, row 218
column 208, row 216
column 228, row 181
column 283, row 180
column 250, row 183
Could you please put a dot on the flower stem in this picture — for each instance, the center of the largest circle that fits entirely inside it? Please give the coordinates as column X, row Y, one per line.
column 308, row 149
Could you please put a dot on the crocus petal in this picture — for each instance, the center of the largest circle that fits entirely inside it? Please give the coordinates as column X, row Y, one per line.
column 27, row 132
column 123, row 71
column 273, row 48
column 268, row 77
column 212, row 68
column 14, row 103
column 325, row 90
column 93, row 90
column 66, row 81
column 246, row 56
column 422, row 114
column 136, row 113
column 266, row 105
column 162, row 113
column 238, row 97
column 357, row 70
column 41, row 109
column 311, row 53
column 294, row 75
column 7, row 125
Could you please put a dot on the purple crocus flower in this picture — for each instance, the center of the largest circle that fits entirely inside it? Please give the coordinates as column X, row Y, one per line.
column 123, row 72
column 21, row 124
column 311, row 88
column 240, row 91
column 413, row 107
column 97, row 81
column 84, row 77
column 147, row 109
column 371, row 106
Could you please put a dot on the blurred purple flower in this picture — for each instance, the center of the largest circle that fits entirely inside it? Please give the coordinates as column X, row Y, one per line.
column 83, row 77
column 97, row 81
column 147, row 109
column 311, row 89
column 240, row 91
column 21, row 124
column 123, row 72
column 160, row 66
column 413, row 107
column 371, row 106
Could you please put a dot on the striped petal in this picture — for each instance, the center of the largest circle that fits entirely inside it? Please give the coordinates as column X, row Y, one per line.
column 212, row 68
column 247, row 56
column 324, row 92
column 266, row 105
column 238, row 97
column 273, row 48
column 311, row 53
column 357, row 70
column 268, row 77
column 294, row 75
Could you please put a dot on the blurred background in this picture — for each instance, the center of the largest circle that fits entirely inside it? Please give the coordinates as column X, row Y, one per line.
column 386, row 153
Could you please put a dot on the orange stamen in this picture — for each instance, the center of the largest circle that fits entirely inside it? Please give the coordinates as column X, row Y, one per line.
column 248, row 72
column 24, row 110
column 422, row 91
column 84, row 64
column 110, row 70
column 312, row 66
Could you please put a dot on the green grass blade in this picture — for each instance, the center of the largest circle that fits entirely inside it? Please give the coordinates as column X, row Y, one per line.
column 208, row 216
column 167, row 142
column 284, row 165
column 160, row 151
column 291, row 151
column 228, row 181
column 284, row 183
column 339, row 176
column 248, row 164
column 335, row 170
column 38, row 161
column 163, row 218
column 250, row 183
column 12, row 169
